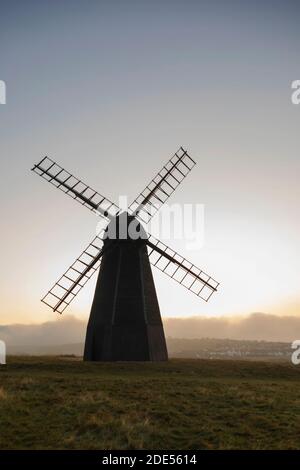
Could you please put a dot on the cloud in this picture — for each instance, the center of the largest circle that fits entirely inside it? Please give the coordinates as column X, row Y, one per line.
column 257, row 326
column 69, row 330
column 66, row 330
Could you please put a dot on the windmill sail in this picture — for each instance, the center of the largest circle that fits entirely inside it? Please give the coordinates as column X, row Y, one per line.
column 181, row 270
column 160, row 188
column 69, row 184
column 76, row 276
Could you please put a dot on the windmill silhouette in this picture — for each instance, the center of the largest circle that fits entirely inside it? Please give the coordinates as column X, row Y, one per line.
column 125, row 321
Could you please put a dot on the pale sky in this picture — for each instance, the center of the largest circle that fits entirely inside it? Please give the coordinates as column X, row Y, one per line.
column 110, row 90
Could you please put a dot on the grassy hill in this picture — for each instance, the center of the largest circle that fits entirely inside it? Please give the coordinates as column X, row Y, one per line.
column 63, row 403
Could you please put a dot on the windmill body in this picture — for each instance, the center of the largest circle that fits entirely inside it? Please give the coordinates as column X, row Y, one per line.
column 125, row 322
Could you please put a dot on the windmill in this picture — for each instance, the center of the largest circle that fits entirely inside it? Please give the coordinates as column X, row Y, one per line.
column 125, row 321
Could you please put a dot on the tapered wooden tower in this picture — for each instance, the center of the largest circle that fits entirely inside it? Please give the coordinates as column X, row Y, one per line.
column 125, row 322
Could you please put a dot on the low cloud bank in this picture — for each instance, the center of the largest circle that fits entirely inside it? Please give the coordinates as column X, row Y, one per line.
column 257, row 326
column 69, row 330
column 66, row 330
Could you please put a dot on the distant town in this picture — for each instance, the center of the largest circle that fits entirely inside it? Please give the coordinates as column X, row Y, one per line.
column 227, row 348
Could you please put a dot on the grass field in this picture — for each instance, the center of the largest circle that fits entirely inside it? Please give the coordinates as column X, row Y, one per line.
column 63, row 403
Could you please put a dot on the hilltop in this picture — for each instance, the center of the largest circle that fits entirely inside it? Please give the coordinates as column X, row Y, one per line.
column 63, row 403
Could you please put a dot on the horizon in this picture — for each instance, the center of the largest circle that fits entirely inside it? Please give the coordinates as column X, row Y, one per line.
column 70, row 329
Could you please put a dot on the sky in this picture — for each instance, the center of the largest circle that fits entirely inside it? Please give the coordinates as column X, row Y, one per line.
column 110, row 90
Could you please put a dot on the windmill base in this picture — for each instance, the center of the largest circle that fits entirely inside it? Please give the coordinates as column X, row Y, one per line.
column 125, row 322
column 118, row 343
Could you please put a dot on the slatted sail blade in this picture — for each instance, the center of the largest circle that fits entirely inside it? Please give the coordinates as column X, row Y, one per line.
column 181, row 270
column 76, row 276
column 69, row 184
column 160, row 188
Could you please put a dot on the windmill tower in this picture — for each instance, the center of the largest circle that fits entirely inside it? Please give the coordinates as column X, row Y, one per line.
column 125, row 321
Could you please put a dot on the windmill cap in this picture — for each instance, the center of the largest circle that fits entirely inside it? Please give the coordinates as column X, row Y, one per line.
column 125, row 227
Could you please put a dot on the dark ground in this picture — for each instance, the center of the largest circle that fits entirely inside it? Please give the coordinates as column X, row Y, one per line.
column 63, row 403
